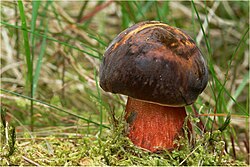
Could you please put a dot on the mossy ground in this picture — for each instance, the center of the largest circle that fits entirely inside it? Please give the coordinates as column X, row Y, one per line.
column 112, row 149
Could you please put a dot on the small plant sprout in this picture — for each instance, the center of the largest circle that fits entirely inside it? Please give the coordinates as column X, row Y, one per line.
column 161, row 70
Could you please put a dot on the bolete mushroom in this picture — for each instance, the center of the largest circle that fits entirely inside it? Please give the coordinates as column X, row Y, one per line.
column 161, row 70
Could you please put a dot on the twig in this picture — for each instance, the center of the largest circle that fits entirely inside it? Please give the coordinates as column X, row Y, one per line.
column 206, row 21
column 233, row 146
column 246, row 142
column 17, row 35
column 81, row 11
column 11, row 66
column 175, row 5
column 228, row 9
column 189, row 155
column 30, row 161
column 223, row 115
column 46, row 138
column 66, row 17
column 95, row 11
column 9, row 52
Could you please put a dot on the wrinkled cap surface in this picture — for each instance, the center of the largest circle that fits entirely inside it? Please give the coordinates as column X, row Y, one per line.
column 155, row 62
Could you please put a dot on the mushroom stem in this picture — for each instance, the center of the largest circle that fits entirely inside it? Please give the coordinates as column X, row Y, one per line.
column 152, row 126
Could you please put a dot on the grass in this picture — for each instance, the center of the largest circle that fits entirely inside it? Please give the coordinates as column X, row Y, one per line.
column 29, row 60
column 54, row 102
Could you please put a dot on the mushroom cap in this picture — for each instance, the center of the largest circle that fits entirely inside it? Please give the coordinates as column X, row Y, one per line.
column 154, row 62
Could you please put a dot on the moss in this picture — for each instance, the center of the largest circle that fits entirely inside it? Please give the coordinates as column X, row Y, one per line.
column 115, row 149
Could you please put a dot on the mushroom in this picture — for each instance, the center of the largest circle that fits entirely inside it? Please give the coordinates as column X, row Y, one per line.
column 161, row 70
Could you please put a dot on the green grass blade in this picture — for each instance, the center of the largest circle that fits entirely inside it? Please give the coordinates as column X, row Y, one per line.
column 39, row 62
column 41, row 54
column 35, row 7
column 125, row 16
column 239, row 89
column 53, row 39
column 82, row 10
column 144, row 8
column 45, row 10
column 226, row 122
column 26, row 41
column 157, row 11
column 98, row 40
column 237, row 104
column 53, row 107
column 139, row 7
column 203, row 31
column 162, row 11
column 29, row 60
column 165, row 11
column 193, row 23
column 235, row 51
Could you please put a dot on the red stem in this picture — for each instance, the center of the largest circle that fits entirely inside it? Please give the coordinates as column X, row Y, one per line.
column 152, row 126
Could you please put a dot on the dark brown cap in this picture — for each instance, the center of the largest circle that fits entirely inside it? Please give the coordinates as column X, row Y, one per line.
column 155, row 62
